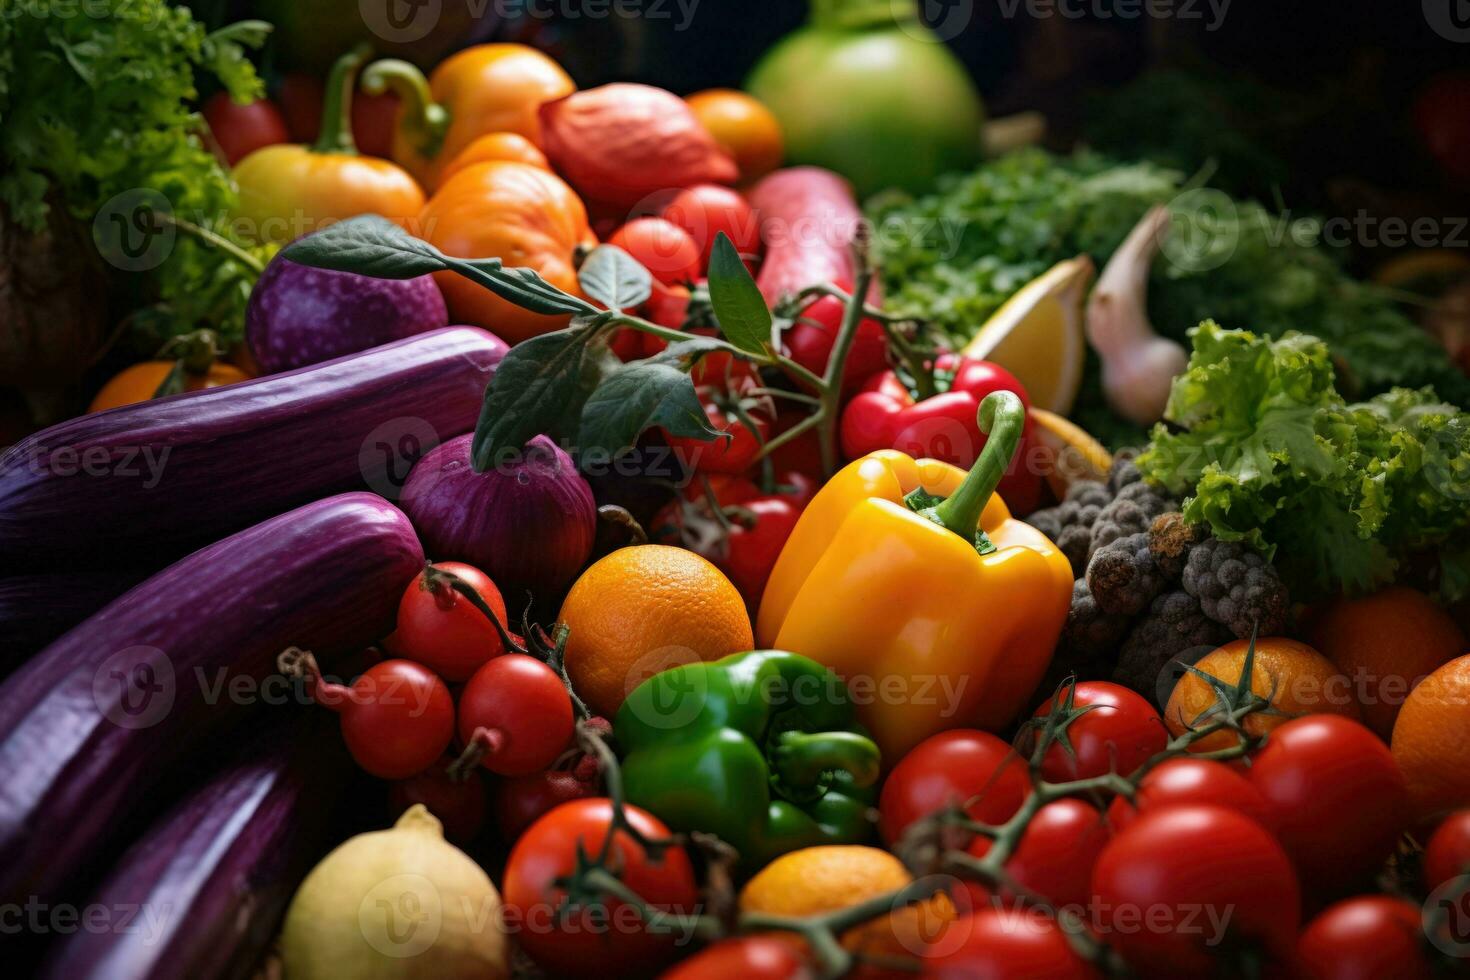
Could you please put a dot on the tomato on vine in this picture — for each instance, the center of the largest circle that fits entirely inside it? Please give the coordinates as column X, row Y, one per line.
column 441, row 628
column 1056, row 853
column 960, row 767
column 1105, row 728
column 1191, row 781
column 515, row 716
column 1375, row 936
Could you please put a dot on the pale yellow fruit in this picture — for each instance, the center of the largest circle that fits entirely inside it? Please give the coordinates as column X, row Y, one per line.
column 1072, row 454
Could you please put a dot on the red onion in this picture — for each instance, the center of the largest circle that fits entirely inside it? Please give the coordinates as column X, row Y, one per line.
column 529, row 523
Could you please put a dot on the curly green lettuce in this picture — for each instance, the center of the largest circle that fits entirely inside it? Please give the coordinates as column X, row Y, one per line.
column 1266, row 451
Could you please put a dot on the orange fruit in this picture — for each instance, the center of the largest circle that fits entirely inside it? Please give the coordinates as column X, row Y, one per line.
column 1386, row 643
column 644, row 609
column 814, row 880
column 1295, row 678
column 496, row 146
column 139, row 382
column 1431, row 740
column 743, row 127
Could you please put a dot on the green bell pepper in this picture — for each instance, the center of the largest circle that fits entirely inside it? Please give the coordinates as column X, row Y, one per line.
column 761, row 749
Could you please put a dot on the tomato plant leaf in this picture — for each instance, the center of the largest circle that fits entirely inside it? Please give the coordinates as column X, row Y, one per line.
column 739, row 307
column 656, row 391
column 614, row 278
column 368, row 245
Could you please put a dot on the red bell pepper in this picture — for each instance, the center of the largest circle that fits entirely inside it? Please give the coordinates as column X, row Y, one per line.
column 887, row 415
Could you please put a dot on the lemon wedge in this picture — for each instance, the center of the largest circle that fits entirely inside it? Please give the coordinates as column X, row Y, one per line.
column 1071, row 453
column 1037, row 334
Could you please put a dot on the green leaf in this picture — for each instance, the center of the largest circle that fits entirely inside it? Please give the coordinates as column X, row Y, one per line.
column 369, row 245
column 656, row 391
column 614, row 278
column 538, row 389
column 744, row 317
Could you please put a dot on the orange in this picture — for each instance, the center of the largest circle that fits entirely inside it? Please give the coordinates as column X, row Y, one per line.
column 139, row 382
column 1386, row 643
column 1431, row 740
column 1296, row 679
column 496, row 146
column 644, row 609
column 823, row 879
column 743, row 127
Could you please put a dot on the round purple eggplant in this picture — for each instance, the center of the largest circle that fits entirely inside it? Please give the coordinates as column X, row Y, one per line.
column 298, row 315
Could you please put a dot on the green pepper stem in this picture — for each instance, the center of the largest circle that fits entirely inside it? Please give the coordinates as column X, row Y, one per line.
column 801, row 757
column 336, row 132
column 422, row 121
column 1002, row 417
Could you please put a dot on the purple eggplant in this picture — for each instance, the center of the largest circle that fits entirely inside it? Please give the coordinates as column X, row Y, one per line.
column 142, row 485
column 298, row 315
column 93, row 723
column 204, row 888
column 36, row 609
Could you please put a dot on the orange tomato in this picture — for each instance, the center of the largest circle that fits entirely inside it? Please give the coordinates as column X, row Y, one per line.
column 523, row 215
column 744, row 127
column 139, row 382
column 496, row 146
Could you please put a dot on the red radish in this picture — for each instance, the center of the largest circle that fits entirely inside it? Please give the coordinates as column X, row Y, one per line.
column 397, row 717
column 515, row 717
column 440, row 627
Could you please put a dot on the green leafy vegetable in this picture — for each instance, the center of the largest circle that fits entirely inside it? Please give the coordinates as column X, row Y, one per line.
column 1338, row 494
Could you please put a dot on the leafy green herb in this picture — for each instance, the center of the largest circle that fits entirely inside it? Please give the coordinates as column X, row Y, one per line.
column 1339, row 494
column 737, row 301
column 614, row 278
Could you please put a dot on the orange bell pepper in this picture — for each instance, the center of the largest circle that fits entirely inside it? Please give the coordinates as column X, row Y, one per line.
column 488, row 88
column 288, row 190
column 520, row 213
column 911, row 580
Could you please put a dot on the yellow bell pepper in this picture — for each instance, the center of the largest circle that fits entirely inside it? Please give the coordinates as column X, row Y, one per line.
column 911, row 580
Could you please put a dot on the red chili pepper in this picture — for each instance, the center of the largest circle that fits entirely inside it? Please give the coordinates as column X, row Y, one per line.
column 886, row 415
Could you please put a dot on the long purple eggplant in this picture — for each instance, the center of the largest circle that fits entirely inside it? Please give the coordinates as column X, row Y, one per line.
column 204, row 888
column 92, row 723
column 36, row 609
column 144, row 484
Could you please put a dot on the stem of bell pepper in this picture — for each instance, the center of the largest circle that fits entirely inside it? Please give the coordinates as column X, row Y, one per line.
column 800, row 758
column 336, row 132
column 422, row 121
column 1002, row 417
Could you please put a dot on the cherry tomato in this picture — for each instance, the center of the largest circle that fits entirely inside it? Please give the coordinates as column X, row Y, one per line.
column 441, row 628
column 300, row 97
column 1338, row 799
column 1118, row 732
column 1056, row 853
column 515, row 713
column 459, row 804
column 810, row 339
column 730, row 453
column 239, row 130
column 521, row 800
column 729, row 489
column 952, row 767
column 1447, row 855
column 1370, row 937
column 800, row 455
column 397, row 717
column 1005, row 944
column 746, row 957
column 1186, row 781
column 611, row 936
column 756, row 543
column 705, row 210
column 662, row 247
column 1184, row 888
column 668, row 306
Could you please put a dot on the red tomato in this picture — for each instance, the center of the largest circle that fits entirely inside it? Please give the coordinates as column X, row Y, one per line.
column 729, row 453
column 957, row 766
column 746, row 957
column 374, row 119
column 397, row 718
column 1005, row 944
column 1370, row 937
column 705, row 210
column 810, row 339
column 518, row 711
column 755, row 544
column 1056, row 853
column 1119, row 732
column 1182, row 886
column 521, row 800
column 1191, row 781
column 240, row 130
column 300, row 96
column 668, row 306
column 1439, row 115
column 1447, row 855
column 439, row 627
column 1338, row 799
column 459, row 804
column 729, row 489
column 610, row 936
column 662, row 247
column 801, row 455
